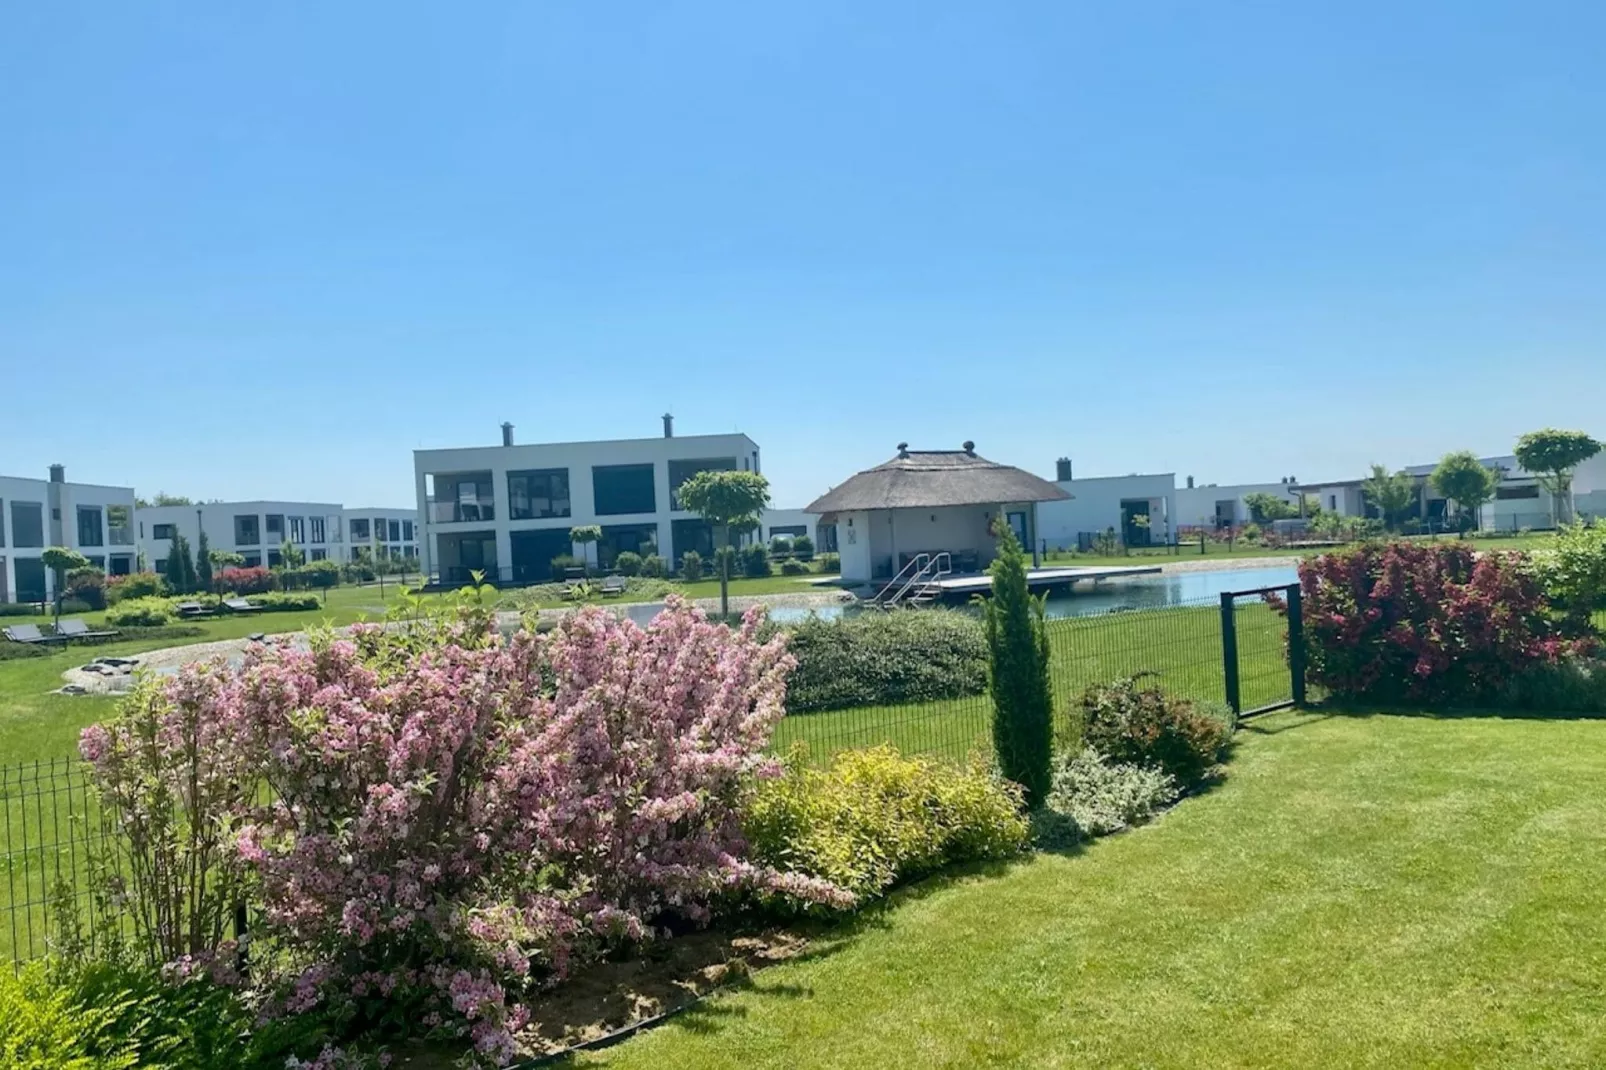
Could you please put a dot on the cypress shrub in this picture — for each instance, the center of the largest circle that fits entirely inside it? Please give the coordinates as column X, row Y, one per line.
column 1017, row 654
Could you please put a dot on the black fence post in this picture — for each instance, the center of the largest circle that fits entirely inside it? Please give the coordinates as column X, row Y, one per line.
column 242, row 954
column 1296, row 642
column 1229, row 651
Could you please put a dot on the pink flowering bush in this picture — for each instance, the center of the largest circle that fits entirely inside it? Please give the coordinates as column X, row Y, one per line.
column 1423, row 623
column 450, row 824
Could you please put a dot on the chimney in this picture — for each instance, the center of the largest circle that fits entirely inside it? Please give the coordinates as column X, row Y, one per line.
column 1062, row 470
column 1190, row 482
column 58, row 474
column 903, row 449
column 507, row 434
column 970, row 448
column 669, row 425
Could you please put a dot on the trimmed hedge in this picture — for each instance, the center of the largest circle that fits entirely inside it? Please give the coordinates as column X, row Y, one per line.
column 881, row 659
column 285, row 602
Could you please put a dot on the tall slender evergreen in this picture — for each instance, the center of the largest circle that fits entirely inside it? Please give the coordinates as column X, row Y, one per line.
column 203, row 564
column 1017, row 647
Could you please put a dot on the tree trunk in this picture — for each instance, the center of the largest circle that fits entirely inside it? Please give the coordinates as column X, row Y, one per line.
column 724, row 578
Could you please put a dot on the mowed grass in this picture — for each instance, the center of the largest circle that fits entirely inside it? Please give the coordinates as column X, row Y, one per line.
column 1180, row 645
column 1360, row 891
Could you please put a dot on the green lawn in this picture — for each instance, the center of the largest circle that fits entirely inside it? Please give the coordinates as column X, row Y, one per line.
column 1240, row 550
column 1361, row 891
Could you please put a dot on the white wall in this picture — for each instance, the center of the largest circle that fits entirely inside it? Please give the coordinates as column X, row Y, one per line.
column 66, row 497
column 853, row 546
column 218, row 520
column 1095, row 506
column 578, row 458
column 1196, row 506
column 783, row 518
column 409, row 530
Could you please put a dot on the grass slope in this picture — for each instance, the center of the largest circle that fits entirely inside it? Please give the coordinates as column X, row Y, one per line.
column 1361, row 891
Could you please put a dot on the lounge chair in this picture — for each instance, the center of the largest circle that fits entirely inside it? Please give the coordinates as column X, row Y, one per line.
column 77, row 629
column 240, row 605
column 30, row 633
column 193, row 609
column 615, row 585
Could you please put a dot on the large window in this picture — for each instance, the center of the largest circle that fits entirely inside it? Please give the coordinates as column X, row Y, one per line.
column 1506, row 494
column 315, row 523
column 90, row 531
column 298, row 529
column 680, row 471
column 359, row 529
column 27, row 526
column 119, row 525
column 163, row 531
column 320, row 555
column 395, row 531
column 623, row 488
column 275, row 527
column 247, row 530
column 537, row 494
column 407, row 530
column 459, row 497
column 2, row 534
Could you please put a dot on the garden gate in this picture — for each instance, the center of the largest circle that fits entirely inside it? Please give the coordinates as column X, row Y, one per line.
column 1263, row 649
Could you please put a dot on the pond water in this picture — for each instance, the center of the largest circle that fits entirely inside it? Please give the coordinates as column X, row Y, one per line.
column 1104, row 596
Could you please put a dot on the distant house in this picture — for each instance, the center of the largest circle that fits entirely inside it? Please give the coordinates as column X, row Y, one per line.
column 930, row 501
column 97, row 521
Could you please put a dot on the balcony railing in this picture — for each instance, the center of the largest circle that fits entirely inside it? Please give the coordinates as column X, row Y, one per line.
column 461, row 512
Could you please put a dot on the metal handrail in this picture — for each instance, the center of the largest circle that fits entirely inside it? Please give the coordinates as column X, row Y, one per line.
column 935, row 568
column 918, row 562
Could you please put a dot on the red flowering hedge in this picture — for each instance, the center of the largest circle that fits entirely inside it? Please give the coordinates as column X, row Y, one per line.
column 1423, row 623
column 245, row 580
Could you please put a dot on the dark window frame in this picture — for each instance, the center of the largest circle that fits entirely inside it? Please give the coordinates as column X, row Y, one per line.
column 619, row 498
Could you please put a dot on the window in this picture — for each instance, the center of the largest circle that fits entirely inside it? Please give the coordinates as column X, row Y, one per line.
column 2, row 534
column 298, row 529
column 163, row 531
column 623, row 488
column 407, row 530
column 275, row 559
column 119, row 525
column 246, row 530
column 27, row 526
column 412, row 551
column 395, row 531
column 680, row 471
column 537, row 494
column 161, row 565
column 320, row 555
column 315, row 523
column 251, row 561
column 122, row 564
column 458, row 497
column 359, row 530
column 334, row 526
column 96, row 561
column 1332, row 502
column 90, row 532
column 1507, row 494
column 275, row 527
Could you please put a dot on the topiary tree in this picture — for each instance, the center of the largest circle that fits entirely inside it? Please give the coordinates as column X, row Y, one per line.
column 1462, row 478
column 1264, row 507
column 203, row 563
column 221, row 560
column 1017, row 673
column 60, row 561
column 1552, row 456
column 582, row 536
column 728, row 501
column 1392, row 495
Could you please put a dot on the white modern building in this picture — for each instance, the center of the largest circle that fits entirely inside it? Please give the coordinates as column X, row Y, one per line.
column 97, row 521
column 382, row 532
column 1137, row 509
column 507, row 510
column 1225, row 505
column 254, row 530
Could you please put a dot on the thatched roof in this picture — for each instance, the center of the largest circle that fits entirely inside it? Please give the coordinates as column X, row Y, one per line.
column 926, row 479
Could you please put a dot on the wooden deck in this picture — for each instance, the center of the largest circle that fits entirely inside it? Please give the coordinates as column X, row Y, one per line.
column 1041, row 579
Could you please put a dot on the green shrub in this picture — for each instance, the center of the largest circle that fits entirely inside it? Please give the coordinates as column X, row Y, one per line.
column 654, row 567
column 1017, row 673
column 875, row 818
column 314, row 575
column 285, row 601
column 87, row 585
column 628, row 562
column 1102, row 796
column 75, row 606
column 879, row 659
column 15, row 651
column 44, row 1027
column 19, row 609
column 730, row 559
column 1573, row 571
column 830, row 562
column 136, row 585
column 803, row 547
column 1132, row 722
column 140, row 612
column 691, row 566
column 755, row 561
column 781, row 546
column 1571, row 685
column 563, row 563
column 794, row 567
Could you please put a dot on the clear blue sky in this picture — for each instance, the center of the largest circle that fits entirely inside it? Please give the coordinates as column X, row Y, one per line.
column 267, row 250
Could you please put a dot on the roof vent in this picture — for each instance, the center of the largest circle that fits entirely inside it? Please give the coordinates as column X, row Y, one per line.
column 507, row 434
column 970, row 447
column 903, row 449
column 669, row 425
column 58, row 474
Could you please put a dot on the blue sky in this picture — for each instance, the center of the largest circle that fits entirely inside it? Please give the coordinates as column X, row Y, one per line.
column 268, row 250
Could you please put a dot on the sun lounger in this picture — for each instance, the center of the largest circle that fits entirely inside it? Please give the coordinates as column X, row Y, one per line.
column 30, row 633
column 240, row 605
column 77, row 629
column 615, row 585
column 193, row 609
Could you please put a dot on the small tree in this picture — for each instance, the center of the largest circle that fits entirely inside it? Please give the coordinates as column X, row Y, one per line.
column 180, row 568
column 60, row 561
column 1017, row 672
column 1264, row 507
column 1392, row 495
column 1553, row 456
column 582, row 536
column 728, row 501
column 186, row 561
column 221, row 560
column 203, row 563
column 1462, row 478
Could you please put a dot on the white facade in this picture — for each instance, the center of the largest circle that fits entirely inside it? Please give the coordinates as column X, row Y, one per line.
column 254, row 530
column 383, row 532
column 1220, row 506
column 507, row 510
column 97, row 521
column 875, row 544
column 789, row 522
column 1139, row 508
